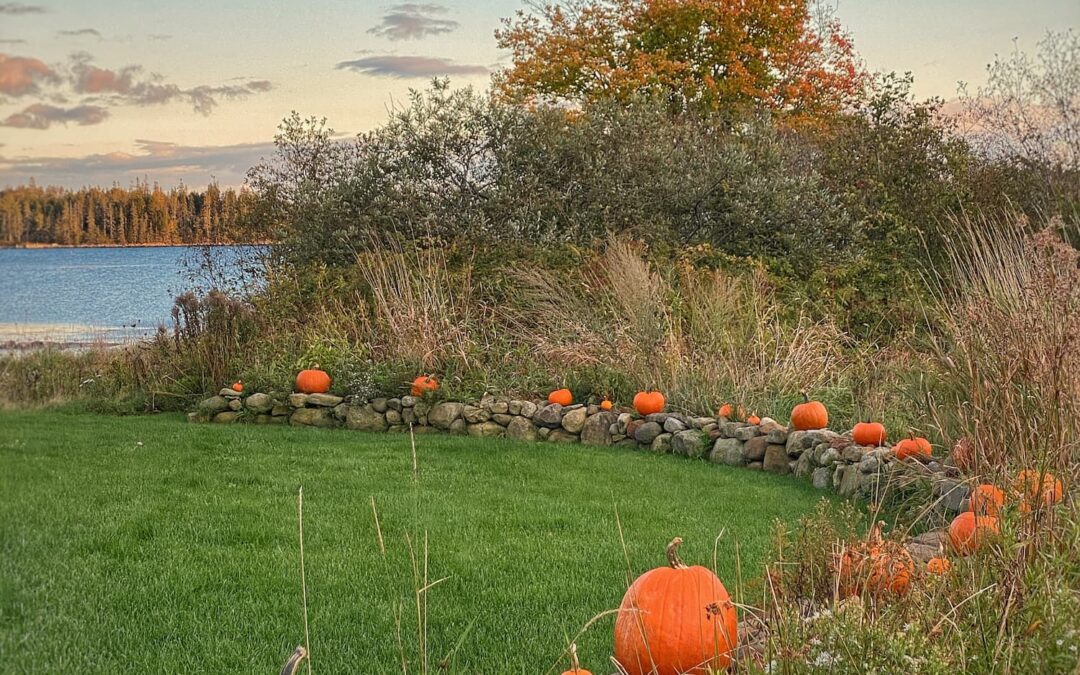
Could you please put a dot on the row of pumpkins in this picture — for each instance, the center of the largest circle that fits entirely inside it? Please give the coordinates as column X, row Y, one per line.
column 680, row 618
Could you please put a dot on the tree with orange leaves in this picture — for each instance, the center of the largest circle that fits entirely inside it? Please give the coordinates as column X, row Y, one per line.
column 717, row 55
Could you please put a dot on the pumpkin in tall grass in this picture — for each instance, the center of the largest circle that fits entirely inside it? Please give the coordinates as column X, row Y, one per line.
column 561, row 396
column 1038, row 489
column 968, row 532
column 424, row 384
column 913, row 447
column 876, row 566
column 675, row 619
column 986, row 500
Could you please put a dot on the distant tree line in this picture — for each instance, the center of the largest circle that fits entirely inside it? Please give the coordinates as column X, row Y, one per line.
column 142, row 214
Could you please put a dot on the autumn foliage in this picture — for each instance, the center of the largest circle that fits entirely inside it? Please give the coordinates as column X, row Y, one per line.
column 714, row 55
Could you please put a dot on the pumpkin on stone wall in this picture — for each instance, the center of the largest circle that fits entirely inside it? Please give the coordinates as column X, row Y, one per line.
column 313, row 381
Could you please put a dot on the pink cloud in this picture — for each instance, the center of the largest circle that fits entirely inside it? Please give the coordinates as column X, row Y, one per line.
column 20, row 75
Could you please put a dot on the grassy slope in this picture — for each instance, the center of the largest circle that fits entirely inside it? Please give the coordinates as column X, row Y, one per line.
column 180, row 554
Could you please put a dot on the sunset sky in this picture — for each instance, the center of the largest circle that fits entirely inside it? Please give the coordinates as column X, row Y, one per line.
column 103, row 91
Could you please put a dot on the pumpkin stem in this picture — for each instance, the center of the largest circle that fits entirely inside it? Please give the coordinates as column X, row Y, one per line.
column 574, row 665
column 673, row 555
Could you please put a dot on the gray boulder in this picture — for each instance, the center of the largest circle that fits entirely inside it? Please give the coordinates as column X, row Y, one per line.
column 754, row 448
column 727, row 451
column 364, row 418
column 673, row 425
column 442, row 415
column 690, row 443
column 259, row 403
column 776, row 459
column 485, row 430
column 297, row 400
column 213, row 405
column 323, row 400
column 312, row 417
column 647, row 433
column 596, row 430
column 549, row 416
column 574, row 420
column 561, row 436
column 661, row 444
column 521, row 429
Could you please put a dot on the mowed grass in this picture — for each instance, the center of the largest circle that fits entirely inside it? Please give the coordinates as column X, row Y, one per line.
column 150, row 545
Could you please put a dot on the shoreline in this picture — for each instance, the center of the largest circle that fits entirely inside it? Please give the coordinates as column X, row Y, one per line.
column 39, row 245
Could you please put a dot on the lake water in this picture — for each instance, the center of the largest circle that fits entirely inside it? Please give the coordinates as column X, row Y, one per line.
column 81, row 295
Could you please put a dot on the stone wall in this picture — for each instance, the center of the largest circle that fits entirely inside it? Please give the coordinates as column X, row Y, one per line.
column 829, row 460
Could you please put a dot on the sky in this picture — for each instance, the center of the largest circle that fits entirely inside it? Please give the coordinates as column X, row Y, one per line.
column 96, row 92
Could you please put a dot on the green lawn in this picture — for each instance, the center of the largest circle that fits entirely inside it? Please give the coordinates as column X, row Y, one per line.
column 150, row 545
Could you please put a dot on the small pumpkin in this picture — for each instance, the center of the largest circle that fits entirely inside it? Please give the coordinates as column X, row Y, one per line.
column 675, row 619
column 238, row 387
column 649, row 402
column 605, row 404
column 725, row 411
column 986, row 500
column 938, row 565
column 963, row 455
column 869, row 433
column 968, row 532
column 753, row 419
column 313, row 381
column 877, row 566
column 1038, row 489
column 913, row 446
column 423, row 385
column 809, row 415
column 561, row 396
column 575, row 667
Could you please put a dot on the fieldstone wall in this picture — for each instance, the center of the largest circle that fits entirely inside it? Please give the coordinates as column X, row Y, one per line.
column 829, row 460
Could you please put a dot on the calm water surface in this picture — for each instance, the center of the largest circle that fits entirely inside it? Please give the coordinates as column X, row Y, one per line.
column 81, row 294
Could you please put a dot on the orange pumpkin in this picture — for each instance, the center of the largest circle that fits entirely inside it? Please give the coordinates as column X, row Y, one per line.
column 753, row 419
column 913, row 446
column 968, row 532
column 725, row 411
column 649, row 402
column 238, row 387
column 986, row 500
column 561, row 396
column 809, row 415
column 313, row 381
column 877, row 566
column 424, row 384
column 1038, row 489
column 938, row 566
column 869, row 433
column 675, row 619
column 605, row 404
column 963, row 455
column 575, row 667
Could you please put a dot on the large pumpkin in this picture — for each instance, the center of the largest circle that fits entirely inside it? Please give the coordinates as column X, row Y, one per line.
column 423, row 384
column 675, row 619
column 561, row 396
column 880, row 567
column 968, row 532
column 313, row 381
column 913, row 447
column 649, row 402
column 1038, row 489
column 869, row 433
column 986, row 500
column 809, row 415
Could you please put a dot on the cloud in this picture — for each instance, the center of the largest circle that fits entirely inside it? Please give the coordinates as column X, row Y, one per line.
column 43, row 116
column 412, row 21
column 410, row 66
column 80, row 32
column 128, row 85
column 20, row 8
column 21, row 75
column 169, row 162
